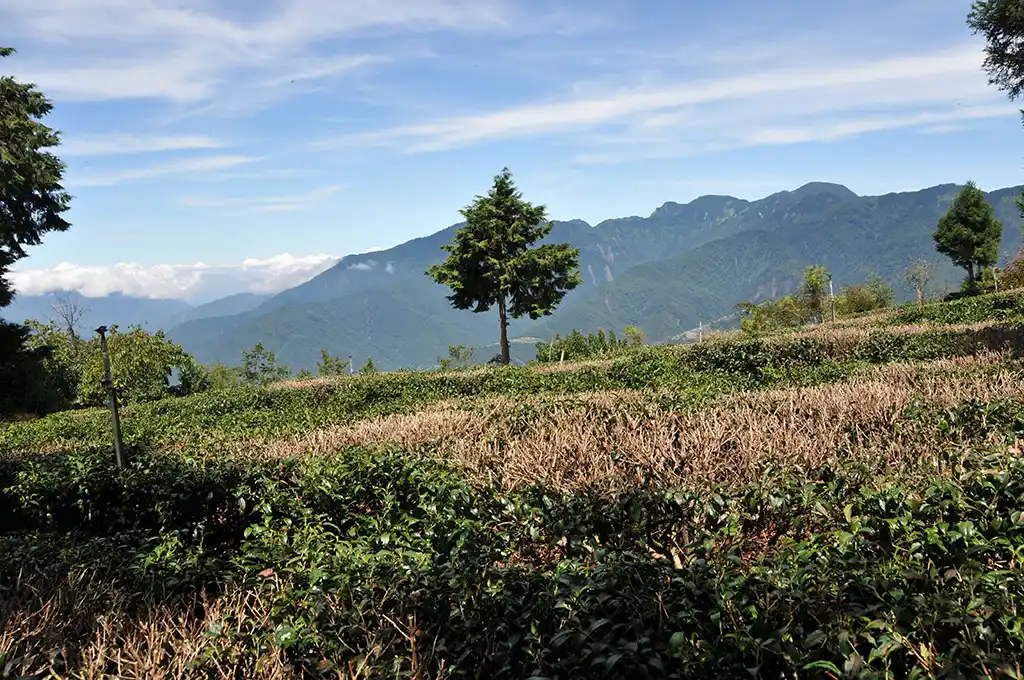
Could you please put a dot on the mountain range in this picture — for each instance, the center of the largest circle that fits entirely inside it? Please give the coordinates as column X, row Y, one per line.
column 683, row 265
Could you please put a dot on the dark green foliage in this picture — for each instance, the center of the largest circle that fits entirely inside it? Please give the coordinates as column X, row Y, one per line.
column 1001, row 22
column 27, row 383
column 32, row 199
column 32, row 202
column 1002, row 307
column 491, row 263
column 969, row 234
column 851, row 567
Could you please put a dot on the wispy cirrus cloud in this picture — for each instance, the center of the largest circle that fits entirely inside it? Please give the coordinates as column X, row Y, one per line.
column 188, row 166
column 786, row 103
column 187, row 52
column 281, row 203
column 121, row 144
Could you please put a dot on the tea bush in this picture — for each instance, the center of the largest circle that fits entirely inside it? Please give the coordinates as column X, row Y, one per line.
column 838, row 571
column 381, row 562
column 995, row 307
column 696, row 373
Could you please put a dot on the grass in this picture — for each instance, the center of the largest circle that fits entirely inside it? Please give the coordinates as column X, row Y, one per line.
column 839, row 501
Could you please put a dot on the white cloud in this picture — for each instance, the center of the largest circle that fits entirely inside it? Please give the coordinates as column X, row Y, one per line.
column 784, row 103
column 285, row 271
column 196, row 165
column 284, row 203
column 325, row 68
column 849, row 128
column 189, row 52
column 174, row 281
column 118, row 144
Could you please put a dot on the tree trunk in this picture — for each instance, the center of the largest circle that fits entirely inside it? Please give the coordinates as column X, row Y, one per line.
column 970, row 271
column 920, row 296
column 503, row 316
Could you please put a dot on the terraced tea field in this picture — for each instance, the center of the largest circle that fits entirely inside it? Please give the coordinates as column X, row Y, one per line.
column 842, row 501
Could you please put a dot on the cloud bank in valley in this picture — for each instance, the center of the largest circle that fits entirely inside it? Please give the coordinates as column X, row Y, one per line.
column 193, row 282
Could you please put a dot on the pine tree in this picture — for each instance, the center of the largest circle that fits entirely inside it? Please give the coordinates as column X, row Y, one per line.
column 969, row 234
column 491, row 264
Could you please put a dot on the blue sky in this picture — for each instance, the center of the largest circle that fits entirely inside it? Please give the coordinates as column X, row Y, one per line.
column 203, row 135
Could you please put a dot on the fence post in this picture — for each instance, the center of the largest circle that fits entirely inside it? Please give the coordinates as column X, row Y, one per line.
column 108, row 383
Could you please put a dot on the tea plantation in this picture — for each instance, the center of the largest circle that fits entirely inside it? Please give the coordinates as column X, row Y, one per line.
column 841, row 501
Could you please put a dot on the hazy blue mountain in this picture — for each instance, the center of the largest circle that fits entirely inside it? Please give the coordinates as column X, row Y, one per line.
column 238, row 303
column 112, row 309
column 683, row 264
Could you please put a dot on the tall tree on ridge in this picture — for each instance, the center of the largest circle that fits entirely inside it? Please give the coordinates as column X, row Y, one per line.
column 491, row 263
column 969, row 233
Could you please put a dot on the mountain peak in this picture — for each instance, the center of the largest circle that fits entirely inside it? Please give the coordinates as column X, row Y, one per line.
column 712, row 204
column 813, row 188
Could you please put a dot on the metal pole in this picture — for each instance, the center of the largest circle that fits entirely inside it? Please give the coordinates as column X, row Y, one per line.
column 108, row 382
column 700, row 332
column 832, row 299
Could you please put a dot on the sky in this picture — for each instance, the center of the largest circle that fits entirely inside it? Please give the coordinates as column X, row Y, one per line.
column 214, row 146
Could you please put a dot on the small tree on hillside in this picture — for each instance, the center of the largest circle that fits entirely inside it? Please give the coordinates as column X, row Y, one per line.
column 330, row 365
column 368, row 367
column 459, row 356
column 635, row 335
column 260, row 367
column 492, row 264
column 68, row 312
column 918, row 274
column 814, row 292
column 969, row 233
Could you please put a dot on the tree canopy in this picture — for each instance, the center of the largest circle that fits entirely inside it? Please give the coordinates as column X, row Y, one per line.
column 491, row 264
column 1001, row 22
column 969, row 233
column 32, row 199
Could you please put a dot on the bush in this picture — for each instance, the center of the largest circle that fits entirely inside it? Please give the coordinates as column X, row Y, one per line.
column 577, row 346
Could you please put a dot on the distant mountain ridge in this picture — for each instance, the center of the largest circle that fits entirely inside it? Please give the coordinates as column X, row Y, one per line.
column 683, row 264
